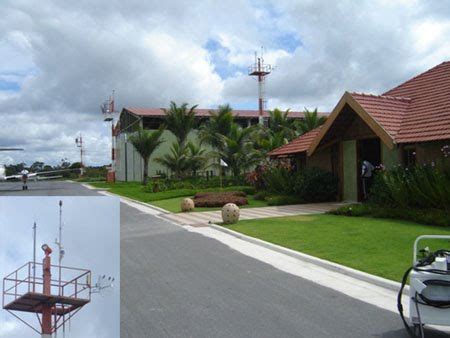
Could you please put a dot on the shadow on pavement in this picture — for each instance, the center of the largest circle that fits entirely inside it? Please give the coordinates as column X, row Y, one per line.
column 402, row 333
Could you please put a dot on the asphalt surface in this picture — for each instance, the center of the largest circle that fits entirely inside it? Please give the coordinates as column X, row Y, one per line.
column 180, row 284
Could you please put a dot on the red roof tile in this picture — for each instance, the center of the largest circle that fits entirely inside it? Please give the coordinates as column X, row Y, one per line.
column 297, row 145
column 387, row 111
column 428, row 117
column 157, row 112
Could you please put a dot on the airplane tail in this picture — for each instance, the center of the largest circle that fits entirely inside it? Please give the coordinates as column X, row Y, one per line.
column 2, row 173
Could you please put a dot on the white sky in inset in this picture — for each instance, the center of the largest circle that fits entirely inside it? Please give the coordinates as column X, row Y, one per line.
column 91, row 239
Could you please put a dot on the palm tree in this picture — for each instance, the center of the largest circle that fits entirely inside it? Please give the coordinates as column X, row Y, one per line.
column 146, row 142
column 275, row 140
column 198, row 158
column 311, row 121
column 279, row 122
column 218, row 126
column 180, row 120
column 214, row 131
column 177, row 161
column 239, row 152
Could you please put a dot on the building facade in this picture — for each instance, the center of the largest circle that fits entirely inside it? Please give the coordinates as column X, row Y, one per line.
column 129, row 164
column 407, row 125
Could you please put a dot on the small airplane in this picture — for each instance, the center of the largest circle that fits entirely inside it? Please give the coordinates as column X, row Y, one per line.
column 24, row 175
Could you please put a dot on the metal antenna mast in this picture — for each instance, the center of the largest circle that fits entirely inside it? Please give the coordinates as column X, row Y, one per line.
column 108, row 111
column 79, row 143
column 260, row 70
column 34, row 256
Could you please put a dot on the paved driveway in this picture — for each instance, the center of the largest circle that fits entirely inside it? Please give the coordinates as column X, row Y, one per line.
column 203, row 218
column 177, row 283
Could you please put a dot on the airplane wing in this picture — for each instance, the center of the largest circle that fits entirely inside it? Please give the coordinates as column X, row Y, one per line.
column 51, row 172
column 10, row 149
column 43, row 178
column 12, row 177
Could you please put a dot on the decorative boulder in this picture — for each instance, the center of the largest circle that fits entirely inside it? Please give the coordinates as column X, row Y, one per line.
column 187, row 204
column 230, row 213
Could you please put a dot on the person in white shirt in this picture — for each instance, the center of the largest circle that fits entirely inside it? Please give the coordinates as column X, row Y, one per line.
column 367, row 169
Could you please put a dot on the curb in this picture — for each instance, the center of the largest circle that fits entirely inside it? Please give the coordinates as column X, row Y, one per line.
column 363, row 276
column 106, row 190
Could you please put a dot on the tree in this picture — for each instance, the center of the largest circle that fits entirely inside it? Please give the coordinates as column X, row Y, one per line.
column 146, row 142
column 279, row 122
column 218, row 126
column 180, row 120
column 238, row 152
column 214, row 131
column 198, row 158
column 177, row 161
column 37, row 166
column 311, row 121
column 183, row 159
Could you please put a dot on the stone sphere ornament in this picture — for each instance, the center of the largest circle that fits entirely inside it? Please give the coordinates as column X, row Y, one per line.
column 230, row 213
column 187, row 204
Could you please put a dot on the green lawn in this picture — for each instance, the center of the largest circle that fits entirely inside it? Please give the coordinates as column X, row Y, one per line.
column 169, row 200
column 173, row 204
column 378, row 246
column 135, row 190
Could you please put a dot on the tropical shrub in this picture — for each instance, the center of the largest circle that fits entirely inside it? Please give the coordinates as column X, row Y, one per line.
column 425, row 216
column 315, row 185
column 217, row 193
column 424, row 187
column 279, row 180
column 219, row 199
column 261, row 195
column 283, row 200
column 307, row 185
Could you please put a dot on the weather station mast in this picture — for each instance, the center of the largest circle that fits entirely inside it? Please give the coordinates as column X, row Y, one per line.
column 108, row 111
column 260, row 70
column 79, row 143
column 54, row 300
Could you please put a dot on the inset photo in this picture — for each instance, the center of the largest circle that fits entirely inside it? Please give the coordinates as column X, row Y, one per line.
column 60, row 267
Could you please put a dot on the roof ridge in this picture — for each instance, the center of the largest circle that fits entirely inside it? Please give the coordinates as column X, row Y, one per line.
column 397, row 98
column 417, row 76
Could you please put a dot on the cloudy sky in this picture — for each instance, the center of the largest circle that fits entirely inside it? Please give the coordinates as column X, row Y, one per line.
column 89, row 243
column 60, row 60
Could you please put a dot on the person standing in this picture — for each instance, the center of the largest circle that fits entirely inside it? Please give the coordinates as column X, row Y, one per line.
column 367, row 169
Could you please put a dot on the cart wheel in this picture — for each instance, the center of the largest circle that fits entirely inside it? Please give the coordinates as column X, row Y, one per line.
column 417, row 330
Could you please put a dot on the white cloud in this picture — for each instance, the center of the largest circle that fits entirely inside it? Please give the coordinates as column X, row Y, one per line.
column 74, row 53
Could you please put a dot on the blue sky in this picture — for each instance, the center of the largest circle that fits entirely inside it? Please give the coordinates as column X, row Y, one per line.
column 61, row 60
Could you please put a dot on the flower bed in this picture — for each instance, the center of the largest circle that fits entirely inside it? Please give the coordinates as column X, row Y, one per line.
column 219, row 199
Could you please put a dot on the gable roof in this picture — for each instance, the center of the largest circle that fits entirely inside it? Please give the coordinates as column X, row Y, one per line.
column 355, row 101
column 297, row 145
column 415, row 111
column 388, row 111
column 159, row 112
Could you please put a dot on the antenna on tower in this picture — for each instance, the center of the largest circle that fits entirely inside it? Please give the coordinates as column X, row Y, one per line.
column 58, row 241
column 79, row 143
column 103, row 283
column 260, row 70
column 34, row 255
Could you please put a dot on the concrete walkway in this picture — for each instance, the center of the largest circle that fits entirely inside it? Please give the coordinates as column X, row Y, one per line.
column 204, row 218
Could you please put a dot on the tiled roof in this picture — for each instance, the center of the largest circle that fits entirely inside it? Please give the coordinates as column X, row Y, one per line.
column 415, row 111
column 387, row 111
column 159, row 112
column 297, row 145
column 428, row 117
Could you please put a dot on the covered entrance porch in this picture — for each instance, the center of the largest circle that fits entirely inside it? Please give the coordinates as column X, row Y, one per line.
column 351, row 136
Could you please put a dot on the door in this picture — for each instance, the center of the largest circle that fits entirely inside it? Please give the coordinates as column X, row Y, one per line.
column 367, row 150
